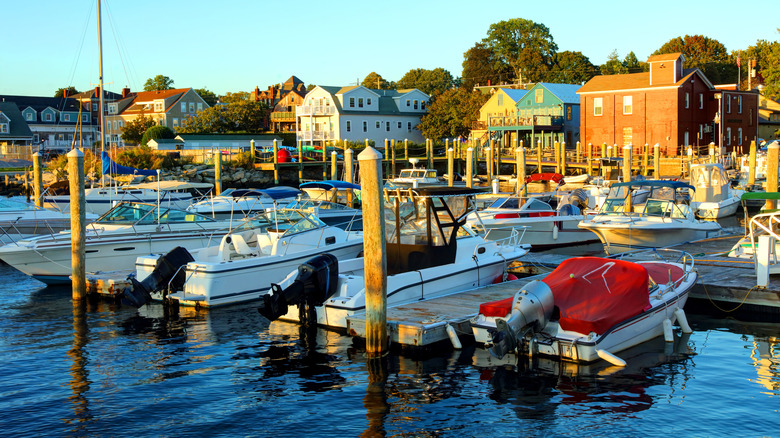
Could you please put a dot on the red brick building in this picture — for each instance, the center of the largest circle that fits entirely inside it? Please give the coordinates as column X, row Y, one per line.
column 669, row 105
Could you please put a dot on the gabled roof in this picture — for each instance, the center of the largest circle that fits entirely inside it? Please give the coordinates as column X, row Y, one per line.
column 386, row 103
column 514, row 93
column 18, row 128
column 635, row 81
column 567, row 93
column 199, row 137
column 666, row 57
column 40, row 104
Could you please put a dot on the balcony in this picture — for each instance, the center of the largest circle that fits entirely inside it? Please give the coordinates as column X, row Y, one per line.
column 282, row 116
column 315, row 110
column 518, row 121
column 316, row 135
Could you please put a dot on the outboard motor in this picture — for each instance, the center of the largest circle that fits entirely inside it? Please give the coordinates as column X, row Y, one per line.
column 317, row 281
column 167, row 267
column 532, row 308
column 579, row 198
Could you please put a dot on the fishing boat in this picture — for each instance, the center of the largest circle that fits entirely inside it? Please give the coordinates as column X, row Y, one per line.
column 243, row 263
column 430, row 253
column 590, row 308
column 239, row 203
column 714, row 197
column 664, row 219
column 114, row 241
column 542, row 225
column 20, row 220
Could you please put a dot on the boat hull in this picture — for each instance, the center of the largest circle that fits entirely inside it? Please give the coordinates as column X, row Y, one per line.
column 540, row 233
column 619, row 235
column 716, row 210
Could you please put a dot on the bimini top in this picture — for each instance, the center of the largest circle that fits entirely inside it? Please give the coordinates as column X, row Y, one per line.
column 279, row 192
column 594, row 294
column 169, row 185
column 439, row 191
column 676, row 185
column 329, row 184
column 760, row 195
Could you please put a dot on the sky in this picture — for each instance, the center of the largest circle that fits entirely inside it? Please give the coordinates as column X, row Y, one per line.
column 237, row 45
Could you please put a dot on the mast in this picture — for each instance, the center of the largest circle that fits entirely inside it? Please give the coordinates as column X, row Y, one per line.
column 100, row 63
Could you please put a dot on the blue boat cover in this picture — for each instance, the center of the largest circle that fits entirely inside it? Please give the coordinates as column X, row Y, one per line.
column 112, row 168
column 329, row 184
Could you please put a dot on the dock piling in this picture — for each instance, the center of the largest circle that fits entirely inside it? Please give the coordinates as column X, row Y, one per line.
column 37, row 179
column 78, row 223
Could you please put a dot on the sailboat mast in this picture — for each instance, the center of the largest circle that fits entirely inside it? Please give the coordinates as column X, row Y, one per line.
column 100, row 63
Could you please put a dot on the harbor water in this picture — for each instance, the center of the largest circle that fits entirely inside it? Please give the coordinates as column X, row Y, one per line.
column 112, row 370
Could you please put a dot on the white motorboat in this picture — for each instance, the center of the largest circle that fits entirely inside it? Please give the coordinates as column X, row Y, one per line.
column 744, row 166
column 418, row 177
column 20, row 220
column 348, row 218
column 590, row 308
column 714, row 198
column 336, row 191
column 239, row 203
column 429, row 253
column 664, row 219
column 764, row 223
column 243, row 264
column 171, row 194
column 113, row 241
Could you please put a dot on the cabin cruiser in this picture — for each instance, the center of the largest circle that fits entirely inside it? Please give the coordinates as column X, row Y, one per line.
column 664, row 219
column 590, row 308
column 20, row 220
column 242, row 263
column 239, row 203
column 714, row 198
column 98, row 200
column 113, row 241
column 430, row 252
column 417, row 177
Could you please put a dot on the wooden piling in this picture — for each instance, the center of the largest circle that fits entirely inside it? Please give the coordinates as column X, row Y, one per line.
column 627, row 150
column 520, row 158
column 557, row 155
column 348, row 177
column 470, row 167
column 430, row 154
column 406, row 150
column 711, row 152
column 563, row 158
column 392, row 157
column 78, row 224
column 772, row 158
column 646, row 160
column 218, row 172
column 657, row 161
column 590, row 159
column 37, row 179
column 324, row 160
column 334, row 167
column 752, row 164
column 374, row 252
column 276, row 163
column 538, row 156
column 450, row 166
column 489, row 164
column 300, row 160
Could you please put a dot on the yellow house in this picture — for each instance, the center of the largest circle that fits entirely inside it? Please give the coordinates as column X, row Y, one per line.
column 501, row 103
column 768, row 117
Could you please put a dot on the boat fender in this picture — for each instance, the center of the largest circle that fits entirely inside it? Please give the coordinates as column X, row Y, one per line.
column 501, row 279
column 682, row 321
column 668, row 335
column 611, row 358
column 555, row 232
column 453, row 337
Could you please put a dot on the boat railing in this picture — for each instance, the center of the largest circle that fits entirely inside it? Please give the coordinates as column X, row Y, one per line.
column 514, row 240
column 769, row 223
column 668, row 255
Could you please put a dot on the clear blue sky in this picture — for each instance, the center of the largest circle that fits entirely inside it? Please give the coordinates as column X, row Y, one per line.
column 235, row 45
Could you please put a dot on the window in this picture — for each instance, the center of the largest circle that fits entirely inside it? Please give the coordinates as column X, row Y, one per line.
column 408, row 103
column 48, row 117
column 728, row 104
column 3, row 128
column 597, row 106
column 378, row 124
column 66, row 117
column 349, row 126
column 94, row 107
column 539, row 95
column 158, row 106
column 728, row 135
column 184, row 107
column 739, row 135
column 739, row 105
column 408, row 126
column 200, row 106
column 500, row 99
column 84, row 117
column 113, row 109
column 568, row 113
column 687, row 100
column 365, row 126
column 28, row 116
column 360, row 102
column 351, row 102
column 701, row 100
column 387, row 126
column 422, row 104
column 175, row 122
column 685, row 138
column 399, row 125
column 115, row 125
column 368, row 101
column 192, row 107
column 627, row 104
column 701, row 131
column 415, row 104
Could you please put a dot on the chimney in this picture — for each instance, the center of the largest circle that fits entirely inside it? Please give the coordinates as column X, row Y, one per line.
column 488, row 82
column 97, row 92
column 125, row 92
column 65, row 93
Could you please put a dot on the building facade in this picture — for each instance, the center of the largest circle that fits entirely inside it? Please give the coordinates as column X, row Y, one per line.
column 15, row 136
column 53, row 121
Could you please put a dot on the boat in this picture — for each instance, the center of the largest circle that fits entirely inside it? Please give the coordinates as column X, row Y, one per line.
column 20, row 219
column 98, row 200
column 590, row 308
column 430, row 253
column 764, row 223
column 238, row 203
column 714, row 198
column 331, row 213
column 542, row 225
column 340, row 192
column 744, row 166
column 242, row 264
column 664, row 219
column 113, row 241
column 418, row 177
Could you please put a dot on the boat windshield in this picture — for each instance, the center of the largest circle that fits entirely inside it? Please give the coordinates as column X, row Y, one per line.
column 309, row 222
column 11, row 205
column 147, row 214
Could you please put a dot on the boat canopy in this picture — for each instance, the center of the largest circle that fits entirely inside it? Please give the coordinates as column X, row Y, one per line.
column 760, row 195
column 169, row 185
column 594, row 294
column 650, row 183
column 112, row 168
column 272, row 192
column 329, row 185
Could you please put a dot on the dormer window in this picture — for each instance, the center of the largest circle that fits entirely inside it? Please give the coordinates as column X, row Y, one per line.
column 113, row 108
column 422, row 104
column 192, row 107
column 48, row 117
column 158, row 106
column 29, row 116
column 351, row 102
column 3, row 128
column 415, row 104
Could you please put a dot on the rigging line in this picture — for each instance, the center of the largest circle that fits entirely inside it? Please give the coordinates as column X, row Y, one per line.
column 119, row 46
column 81, row 45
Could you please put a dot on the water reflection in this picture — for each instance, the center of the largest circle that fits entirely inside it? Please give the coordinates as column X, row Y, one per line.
column 79, row 376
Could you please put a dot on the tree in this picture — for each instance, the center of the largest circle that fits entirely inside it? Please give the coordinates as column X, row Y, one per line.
column 60, row 91
column 238, row 96
column 430, row 82
column 376, row 81
column 482, row 66
column 572, row 68
column 524, row 45
column 157, row 132
column 613, row 66
column 451, row 114
column 158, row 83
column 634, row 65
column 706, row 54
column 771, row 73
column 239, row 116
column 765, row 55
column 134, row 130
column 207, row 96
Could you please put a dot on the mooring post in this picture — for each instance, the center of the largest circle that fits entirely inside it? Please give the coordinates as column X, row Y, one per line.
column 563, row 158
column 218, row 172
column 406, row 150
column 300, row 160
column 557, row 155
column 627, row 149
column 752, row 164
column 690, row 160
column 520, row 157
column 538, row 156
column 392, row 153
column 78, row 223
column 334, row 167
column 37, row 179
column 590, row 158
column 324, row 160
column 374, row 251
column 771, row 172
column 470, row 167
column 430, row 154
column 489, row 164
column 657, row 161
column 646, row 160
column 276, row 163
column 711, row 152
column 348, row 177
column 450, row 166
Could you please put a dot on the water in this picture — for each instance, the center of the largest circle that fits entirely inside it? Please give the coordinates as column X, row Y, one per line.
column 115, row 371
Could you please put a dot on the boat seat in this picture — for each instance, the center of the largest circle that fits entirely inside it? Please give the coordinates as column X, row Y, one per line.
column 240, row 245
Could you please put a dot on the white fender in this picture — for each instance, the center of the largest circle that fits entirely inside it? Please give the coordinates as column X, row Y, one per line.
column 682, row 321
column 555, row 232
column 453, row 337
column 611, row 358
column 668, row 335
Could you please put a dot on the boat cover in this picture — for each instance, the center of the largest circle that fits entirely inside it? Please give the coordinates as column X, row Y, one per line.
column 112, row 168
column 594, row 294
column 554, row 177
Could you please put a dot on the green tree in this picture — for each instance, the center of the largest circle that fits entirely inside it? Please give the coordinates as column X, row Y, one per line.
column 771, row 73
column 634, row 65
column 158, row 83
column 61, row 91
column 207, row 121
column 207, row 96
column 375, row 81
column 452, row 113
column 706, row 54
column 481, row 66
column 526, row 46
column 764, row 53
column 157, row 132
column 134, row 130
column 572, row 68
column 240, row 116
column 613, row 66
column 238, row 96
column 430, row 82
